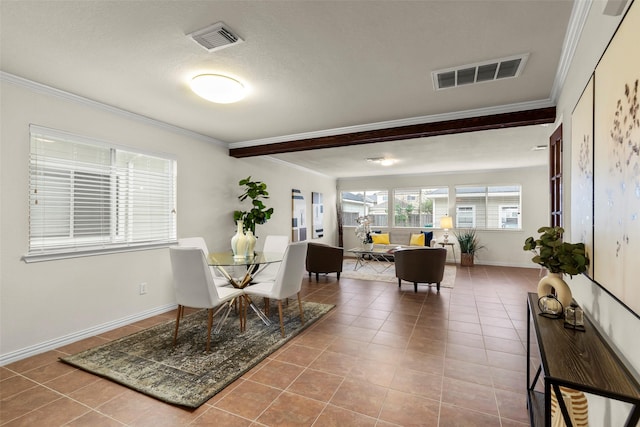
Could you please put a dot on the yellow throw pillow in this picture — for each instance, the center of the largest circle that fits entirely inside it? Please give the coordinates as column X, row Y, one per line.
column 417, row 240
column 380, row 238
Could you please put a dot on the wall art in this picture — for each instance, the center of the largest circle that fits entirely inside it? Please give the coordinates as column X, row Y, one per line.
column 582, row 172
column 617, row 164
column 318, row 212
column 298, row 217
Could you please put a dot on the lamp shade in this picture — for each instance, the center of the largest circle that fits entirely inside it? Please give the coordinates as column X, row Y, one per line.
column 217, row 88
column 446, row 222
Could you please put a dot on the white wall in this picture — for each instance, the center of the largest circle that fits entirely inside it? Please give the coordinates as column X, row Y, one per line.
column 503, row 247
column 618, row 324
column 47, row 304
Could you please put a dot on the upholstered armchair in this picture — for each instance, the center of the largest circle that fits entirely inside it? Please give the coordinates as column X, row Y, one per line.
column 420, row 265
column 324, row 259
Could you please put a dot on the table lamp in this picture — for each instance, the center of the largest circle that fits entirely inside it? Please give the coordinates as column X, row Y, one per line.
column 446, row 222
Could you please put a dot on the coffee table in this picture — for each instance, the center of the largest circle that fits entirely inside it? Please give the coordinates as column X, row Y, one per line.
column 374, row 257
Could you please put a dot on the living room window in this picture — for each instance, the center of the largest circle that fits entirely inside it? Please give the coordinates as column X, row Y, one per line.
column 488, row 207
column 88, row 196
column 420, row 208
column 371, row 203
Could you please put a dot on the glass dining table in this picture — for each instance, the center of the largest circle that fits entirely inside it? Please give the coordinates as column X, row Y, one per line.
column 225, row 261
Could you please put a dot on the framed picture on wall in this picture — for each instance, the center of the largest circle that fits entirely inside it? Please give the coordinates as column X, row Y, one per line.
column 617, row 164
column 298, row 216
column 317, row 218
column 582, row 172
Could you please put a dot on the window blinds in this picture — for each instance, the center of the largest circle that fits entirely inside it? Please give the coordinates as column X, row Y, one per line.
column 87, row 195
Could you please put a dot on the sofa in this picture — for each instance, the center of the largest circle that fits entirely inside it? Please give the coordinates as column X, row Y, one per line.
column 393, row 239
column 324, row 259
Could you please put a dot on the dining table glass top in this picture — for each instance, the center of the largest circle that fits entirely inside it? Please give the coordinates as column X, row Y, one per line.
column 226, row 259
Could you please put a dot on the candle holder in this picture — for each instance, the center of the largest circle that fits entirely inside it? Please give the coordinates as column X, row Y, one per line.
column 574, row 317
column 550, row 307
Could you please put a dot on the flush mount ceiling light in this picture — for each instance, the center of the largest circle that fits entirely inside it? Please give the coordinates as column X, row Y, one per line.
column 382, row 160
column 539, row 148
column 218, row 88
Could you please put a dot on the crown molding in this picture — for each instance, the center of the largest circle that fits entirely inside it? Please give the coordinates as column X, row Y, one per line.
column 58, row 93
column 577, row 20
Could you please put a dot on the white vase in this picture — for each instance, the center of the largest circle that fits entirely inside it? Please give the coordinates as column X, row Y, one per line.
column 239, row 242
column 554, row 282
column 251, row 243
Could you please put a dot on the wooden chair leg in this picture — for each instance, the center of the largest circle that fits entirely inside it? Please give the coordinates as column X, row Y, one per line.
column 281, row 321
column 415, row 286
column 438, row 286
column 179, row 314
column 399, row 282
column 209, row 327
column 301, row 311
column 267, row 304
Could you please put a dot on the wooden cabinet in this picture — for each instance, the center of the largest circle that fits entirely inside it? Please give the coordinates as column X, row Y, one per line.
column 577, row 360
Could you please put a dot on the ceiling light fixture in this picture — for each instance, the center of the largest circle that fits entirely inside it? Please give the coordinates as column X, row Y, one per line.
column 218, row 88
column 382, row 160
column 539, row 148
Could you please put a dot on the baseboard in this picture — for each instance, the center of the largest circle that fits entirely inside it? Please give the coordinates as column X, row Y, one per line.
column 80, row 335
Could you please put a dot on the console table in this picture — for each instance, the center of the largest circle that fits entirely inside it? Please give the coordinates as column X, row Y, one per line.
column 577, row 360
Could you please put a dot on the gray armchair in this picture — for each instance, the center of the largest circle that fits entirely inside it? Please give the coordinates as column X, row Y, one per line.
column 324, row 259
column 420, row 265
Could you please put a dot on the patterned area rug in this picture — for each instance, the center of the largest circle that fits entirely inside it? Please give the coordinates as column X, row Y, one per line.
column 385, row 272
column 186, row 374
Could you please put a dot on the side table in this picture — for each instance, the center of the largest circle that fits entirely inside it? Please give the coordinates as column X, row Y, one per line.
column 453, row 249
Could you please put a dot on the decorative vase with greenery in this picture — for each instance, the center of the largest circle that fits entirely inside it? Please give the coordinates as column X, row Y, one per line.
column 469, row 246
column 559, row 258
column 259, row 213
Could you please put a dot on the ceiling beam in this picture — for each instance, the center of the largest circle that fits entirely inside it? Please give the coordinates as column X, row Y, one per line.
column 447, row 127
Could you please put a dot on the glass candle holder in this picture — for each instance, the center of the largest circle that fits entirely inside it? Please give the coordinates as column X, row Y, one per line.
column 574, row 317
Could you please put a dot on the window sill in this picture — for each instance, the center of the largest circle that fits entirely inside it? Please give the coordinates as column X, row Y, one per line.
column 78, row 253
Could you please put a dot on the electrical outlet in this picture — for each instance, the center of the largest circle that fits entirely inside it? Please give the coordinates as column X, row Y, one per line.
column 143, row 288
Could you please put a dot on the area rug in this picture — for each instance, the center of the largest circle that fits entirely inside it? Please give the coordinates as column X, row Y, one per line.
column 186, row 374
column 385, row 272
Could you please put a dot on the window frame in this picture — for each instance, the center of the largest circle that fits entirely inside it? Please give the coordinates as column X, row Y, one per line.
column 489, row 200
column 104, row 233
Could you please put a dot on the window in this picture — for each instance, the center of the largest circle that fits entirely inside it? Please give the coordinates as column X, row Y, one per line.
column 371, row 203
column 491, row 207
column 88, row 196
column 420, row 207
column 465, row 216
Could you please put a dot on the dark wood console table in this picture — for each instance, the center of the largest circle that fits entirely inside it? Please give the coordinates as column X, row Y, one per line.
column 578, row 360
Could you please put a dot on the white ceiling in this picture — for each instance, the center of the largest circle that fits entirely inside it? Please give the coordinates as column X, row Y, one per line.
column 312, row 67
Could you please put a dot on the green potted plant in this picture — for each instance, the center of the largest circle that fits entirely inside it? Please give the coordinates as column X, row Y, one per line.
column 554, row 254
column 559, row 258
column 469, row 246
column 259, row 213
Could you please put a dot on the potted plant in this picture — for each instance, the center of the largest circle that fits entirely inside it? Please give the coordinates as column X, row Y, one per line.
column 559, row 258
column 554, row 254
column 469, row 245
column 259, row 213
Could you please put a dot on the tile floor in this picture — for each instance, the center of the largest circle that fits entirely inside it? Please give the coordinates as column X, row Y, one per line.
column 382, row 357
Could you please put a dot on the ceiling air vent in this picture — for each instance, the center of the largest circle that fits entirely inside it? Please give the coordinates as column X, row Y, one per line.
column 215, row 37
column 480, row 72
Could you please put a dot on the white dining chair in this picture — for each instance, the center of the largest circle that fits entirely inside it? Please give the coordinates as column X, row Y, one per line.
column 287, row 283
column 194, row 287
column 273, row 243
column 198, row 242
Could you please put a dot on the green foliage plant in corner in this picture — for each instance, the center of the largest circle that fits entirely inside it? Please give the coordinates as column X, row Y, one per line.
column 469, row 245
column 554, row 254
column 256, row 191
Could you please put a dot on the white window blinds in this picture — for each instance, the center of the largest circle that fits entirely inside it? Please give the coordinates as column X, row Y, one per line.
column 88, row 196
